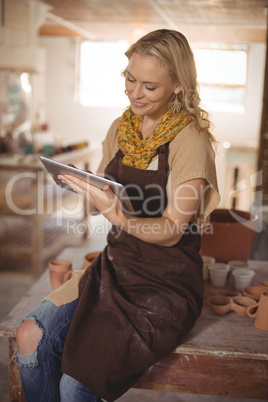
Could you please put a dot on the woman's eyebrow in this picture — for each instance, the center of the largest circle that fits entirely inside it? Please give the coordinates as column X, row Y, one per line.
column 144, row 82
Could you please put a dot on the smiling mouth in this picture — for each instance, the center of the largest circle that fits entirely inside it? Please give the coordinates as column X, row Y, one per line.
column 137, row 104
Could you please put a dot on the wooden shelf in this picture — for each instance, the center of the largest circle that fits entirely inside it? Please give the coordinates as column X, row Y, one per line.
column 23, row 202
column 17, row 242
column 30, row 203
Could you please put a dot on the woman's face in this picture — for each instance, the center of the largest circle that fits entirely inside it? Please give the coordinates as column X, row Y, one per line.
column 149, row 86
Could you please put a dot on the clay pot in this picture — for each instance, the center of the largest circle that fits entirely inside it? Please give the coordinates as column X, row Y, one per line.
column 219, row 304
column 222, row 304
column 229, row 293
column 60, row 271
column 254, row 292
column 240, row 304
column 263, row 285
column 230, row 236
column 260, row 312
column 89, row 258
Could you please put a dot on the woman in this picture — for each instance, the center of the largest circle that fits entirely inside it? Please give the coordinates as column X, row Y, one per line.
column 145, row 290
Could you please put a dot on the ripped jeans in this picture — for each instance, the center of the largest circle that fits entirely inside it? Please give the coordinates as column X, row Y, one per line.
column 40, row 371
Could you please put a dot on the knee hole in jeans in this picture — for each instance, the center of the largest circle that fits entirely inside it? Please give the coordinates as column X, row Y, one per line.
column 28, row 336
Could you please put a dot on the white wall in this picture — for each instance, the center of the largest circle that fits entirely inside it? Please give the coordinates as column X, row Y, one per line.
column 79, row 123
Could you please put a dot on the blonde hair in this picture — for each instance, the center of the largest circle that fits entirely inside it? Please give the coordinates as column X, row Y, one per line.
column 174, row 52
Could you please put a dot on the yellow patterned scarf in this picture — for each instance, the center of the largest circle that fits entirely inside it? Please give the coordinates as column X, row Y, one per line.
column 137, row 151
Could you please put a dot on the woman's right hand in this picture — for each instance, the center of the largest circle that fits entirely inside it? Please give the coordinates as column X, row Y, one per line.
column 91, row 209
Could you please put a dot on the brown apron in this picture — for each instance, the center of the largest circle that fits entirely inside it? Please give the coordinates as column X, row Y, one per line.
column 137, row 299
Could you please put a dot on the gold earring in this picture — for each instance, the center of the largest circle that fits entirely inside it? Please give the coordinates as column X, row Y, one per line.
column 175, row 105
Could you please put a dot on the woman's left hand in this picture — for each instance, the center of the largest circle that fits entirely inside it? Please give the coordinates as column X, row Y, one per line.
column 104, row 200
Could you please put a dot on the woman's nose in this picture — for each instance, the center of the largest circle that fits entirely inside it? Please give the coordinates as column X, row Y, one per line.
column 137, row 91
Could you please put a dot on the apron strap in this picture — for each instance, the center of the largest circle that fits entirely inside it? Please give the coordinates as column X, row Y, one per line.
column 163, row 152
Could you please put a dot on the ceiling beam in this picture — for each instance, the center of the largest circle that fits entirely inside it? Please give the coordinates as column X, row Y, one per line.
column 197, row 33
column 162, row 13
column 71, row 26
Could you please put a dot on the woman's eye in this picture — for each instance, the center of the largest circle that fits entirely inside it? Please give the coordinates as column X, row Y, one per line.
column 130, row 79
column 150, row 89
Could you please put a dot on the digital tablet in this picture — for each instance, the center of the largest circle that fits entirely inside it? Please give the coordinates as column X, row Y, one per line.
column 56, row 168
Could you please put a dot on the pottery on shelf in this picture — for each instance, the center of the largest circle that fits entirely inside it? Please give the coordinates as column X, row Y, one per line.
column 229, row 235
column 259, row 311
column 89, row 258
column 60, row 271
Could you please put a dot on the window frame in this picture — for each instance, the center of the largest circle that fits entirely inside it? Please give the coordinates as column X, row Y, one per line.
column 226, row 106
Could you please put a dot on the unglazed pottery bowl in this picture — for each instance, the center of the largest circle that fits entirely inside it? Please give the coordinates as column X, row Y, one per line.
column 222, row 304
column 229, row 293
column 240, row 304
column 254, row 292
column 263, row 285
column 219, row 304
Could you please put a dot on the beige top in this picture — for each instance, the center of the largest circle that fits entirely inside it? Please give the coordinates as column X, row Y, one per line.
column 67, row 292
column 190, row 156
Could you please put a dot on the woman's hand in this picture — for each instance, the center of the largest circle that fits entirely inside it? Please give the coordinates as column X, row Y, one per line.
column 104, row 201
column 167, row 230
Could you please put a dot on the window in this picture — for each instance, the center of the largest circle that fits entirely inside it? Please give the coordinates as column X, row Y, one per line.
column 101, row 83
column 222, row 75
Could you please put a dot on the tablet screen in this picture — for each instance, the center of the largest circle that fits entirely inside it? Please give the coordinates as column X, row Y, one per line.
column 56, row 168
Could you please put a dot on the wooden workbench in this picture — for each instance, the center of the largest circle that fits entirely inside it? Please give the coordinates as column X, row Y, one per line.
column 222, row 355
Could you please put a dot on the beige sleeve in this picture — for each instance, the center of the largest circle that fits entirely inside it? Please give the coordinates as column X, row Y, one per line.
column 192, row 156
column 68, row 292
column 109, row 144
